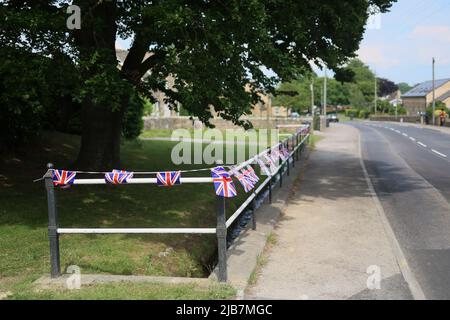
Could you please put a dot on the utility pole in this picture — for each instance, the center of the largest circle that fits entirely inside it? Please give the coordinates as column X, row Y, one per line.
column 376, row 93
column 434, row 94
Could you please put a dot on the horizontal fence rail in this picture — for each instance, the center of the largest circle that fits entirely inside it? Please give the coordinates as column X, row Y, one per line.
column 144, row 180
column 221, row 225
column 135, row 230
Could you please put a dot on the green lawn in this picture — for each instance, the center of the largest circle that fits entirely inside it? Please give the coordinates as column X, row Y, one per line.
column 128, row 291
column 24, row 252
column 264, row 138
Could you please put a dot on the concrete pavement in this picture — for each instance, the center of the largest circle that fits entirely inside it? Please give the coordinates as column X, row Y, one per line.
column 331, row 232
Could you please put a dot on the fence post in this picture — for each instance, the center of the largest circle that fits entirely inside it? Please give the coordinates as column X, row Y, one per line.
column 296, row 145
column 53, row 235
column 293, row 152
column 269, row 185
column 287, row 161
column 280, row 164
column 270, row 189
column 254, row 213
column 221, row 233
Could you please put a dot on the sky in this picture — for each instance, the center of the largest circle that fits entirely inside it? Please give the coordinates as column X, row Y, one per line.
column 400, row 45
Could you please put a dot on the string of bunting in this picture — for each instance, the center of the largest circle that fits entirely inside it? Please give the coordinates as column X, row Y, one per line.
column 222, row 179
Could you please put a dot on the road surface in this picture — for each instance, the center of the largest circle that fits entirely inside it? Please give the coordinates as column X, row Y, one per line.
column 410, row 170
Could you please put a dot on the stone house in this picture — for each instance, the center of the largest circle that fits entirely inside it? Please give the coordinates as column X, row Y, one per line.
column 418, row 98
column 161, row 108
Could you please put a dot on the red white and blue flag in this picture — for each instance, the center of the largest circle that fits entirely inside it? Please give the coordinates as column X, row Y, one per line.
column 118, row 177
column 269, row 161
column 275, row 155
column 263, row 167
column 282, row 154
column 168, row 179
column 223, row 184
column 250, row 174
column 246, row 183
column 63, row 177
column 285, row 152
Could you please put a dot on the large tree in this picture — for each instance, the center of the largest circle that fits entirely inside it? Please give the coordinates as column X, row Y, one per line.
column 386, row 87
column 213, row 48
column 296, row 94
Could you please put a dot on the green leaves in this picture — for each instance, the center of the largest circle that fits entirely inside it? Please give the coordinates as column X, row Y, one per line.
column 216, row 52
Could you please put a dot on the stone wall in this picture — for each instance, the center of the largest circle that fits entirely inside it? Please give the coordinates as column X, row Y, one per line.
column 186, row 123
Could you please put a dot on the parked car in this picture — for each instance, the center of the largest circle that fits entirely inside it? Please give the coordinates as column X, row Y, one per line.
column 295, row 115
column 333, row 118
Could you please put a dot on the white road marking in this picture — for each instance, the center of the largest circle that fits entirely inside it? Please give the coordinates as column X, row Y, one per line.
column 437, row 152
column 421, row 144
column 404, row 134
column 412, row 139
column 397, row 131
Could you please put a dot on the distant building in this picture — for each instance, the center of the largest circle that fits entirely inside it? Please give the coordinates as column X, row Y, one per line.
column 418, row 98
column 393, row 98
column 161, row 107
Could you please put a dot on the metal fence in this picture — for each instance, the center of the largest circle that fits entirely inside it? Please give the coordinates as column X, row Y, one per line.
column 295, row 145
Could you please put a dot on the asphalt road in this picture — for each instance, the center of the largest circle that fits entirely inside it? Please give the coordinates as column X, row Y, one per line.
column 410, row 170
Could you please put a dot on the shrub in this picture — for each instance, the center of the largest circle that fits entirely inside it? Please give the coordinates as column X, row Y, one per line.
column 439, row 106
column 22, row 98
column 133, row 123
column 147, row 107
column 364, row 114
column 351, row 113
column 400, row 110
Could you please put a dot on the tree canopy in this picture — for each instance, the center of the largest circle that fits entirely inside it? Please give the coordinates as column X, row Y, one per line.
column 212, row 48
column 353, row 84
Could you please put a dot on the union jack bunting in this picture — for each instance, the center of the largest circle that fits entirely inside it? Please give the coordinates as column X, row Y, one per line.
column 275, row 155
column 285, row 151
column 63, row 177
column 282, row 154
column 264, row 168
column 168, row 179
column 246, row 183
column 250, row 173
column 223, row 184
column 118, row 176
column 270, row 162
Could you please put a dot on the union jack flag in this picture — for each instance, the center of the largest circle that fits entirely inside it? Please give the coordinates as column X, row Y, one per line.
column 223, row 184
column 282, row 156
column 250, row 173
column 275, row 154
column 285, row 152
column 263, row 167
column 270, row 162
column 63, row 177
column 246, row 183
column 118, row 176
column 168, row 179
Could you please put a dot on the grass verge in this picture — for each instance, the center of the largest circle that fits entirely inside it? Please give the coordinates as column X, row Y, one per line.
column 129, row 291
column 24, row 252
column 262, row 259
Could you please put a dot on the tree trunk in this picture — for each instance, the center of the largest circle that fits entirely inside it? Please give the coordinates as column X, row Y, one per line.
column 100, row 139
